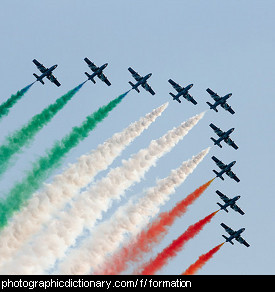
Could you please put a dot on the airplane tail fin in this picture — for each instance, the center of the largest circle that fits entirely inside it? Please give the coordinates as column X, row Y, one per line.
column 215, row 142
column 215, row 172
column 88, row 75
column 221, row 177
column 227, row 239
column 174, row 97
column 211, row 106
column 222, row 207
column 172, row 94
column 37, row 77
column 132, row 84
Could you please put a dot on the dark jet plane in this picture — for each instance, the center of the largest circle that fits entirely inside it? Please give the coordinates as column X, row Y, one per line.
column 225, row 168
column 98, row 71
column 234, row 234
column 46, row 72
column 229, row 203
column 219, row 101
column 140, row 81
column 181, row 92
column 223, row 136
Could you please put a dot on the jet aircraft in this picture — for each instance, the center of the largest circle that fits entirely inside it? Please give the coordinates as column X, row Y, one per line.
column 219, row 101
column 229, row 203
column 46, row 72
column 140, row 81
column 98, row 71
column 225, row 168
column 223, row 136
column 234, row 234
column 181, row 92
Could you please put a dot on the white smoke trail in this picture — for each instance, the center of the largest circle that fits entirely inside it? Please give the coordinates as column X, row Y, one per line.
column 131, row 218
column 42, row 205
column 62, row 232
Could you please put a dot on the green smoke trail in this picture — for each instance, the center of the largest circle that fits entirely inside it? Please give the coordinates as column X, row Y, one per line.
column 46, row 164
column 5, row 106
column 23, row 136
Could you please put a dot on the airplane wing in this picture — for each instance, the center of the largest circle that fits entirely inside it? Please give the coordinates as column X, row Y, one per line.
column 176, row 86
column 220, row 164
column 228, row 229
column 242, row 241
column 217, row 130
column 147, row 87
column 40, row 67
column 104, row 79
column 53, row 79
column 223, row 197
column 135, row 74
column 238, row 209
column 213, row 94
column 91, row 65
column 227, row 107
column 231, row 174
column 190, row 98
column 231, row 143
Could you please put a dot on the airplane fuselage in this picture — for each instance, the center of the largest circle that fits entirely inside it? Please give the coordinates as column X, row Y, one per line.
column 184, row 91
column 235, row 235
column 229, row 203
column 98, row 71
column 221, row 100
column 224, row 136
column 142, row 81
column 46, row 73
column 226, row 169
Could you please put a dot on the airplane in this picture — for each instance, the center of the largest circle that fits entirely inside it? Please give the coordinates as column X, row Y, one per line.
column 225, row 168
column 46, row 72
column 234, row 234
column 229, row 203
column 223, row 136
column 181, row 92
column 219, row 101
column 98, row 71
column 140, row 81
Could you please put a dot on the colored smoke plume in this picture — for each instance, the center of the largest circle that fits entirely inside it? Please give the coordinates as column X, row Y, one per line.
column 202, row 260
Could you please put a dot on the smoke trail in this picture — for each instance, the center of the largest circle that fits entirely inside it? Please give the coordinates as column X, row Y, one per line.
column 202, row 260
column 54, row 196
column 46, row 164
column 62, row 233
column 171, row 251
column 128, row 218
column 147, row 238
column 6, row 106
column 23, row 136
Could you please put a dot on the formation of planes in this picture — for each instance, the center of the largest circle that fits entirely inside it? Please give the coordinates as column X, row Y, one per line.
column 180, row 92
column 226, row 168
column 140, row 81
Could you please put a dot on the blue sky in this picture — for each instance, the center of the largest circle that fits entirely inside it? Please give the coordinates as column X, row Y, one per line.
column 227, row 46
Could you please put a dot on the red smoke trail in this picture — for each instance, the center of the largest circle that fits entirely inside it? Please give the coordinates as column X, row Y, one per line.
column 151, row 235
column 202, row 260
column 171, row 250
